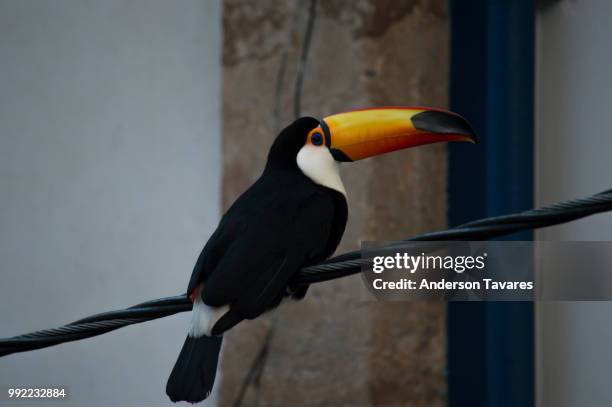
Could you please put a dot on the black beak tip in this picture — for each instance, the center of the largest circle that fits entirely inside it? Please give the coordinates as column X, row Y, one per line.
column 439, row 122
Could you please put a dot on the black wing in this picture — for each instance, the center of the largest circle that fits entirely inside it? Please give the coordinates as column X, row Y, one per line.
column 253, row 273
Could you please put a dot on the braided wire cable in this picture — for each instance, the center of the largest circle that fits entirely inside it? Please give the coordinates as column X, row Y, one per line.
column 340, row 266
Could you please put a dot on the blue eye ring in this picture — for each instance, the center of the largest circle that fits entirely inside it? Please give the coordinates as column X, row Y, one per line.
column 316, row 139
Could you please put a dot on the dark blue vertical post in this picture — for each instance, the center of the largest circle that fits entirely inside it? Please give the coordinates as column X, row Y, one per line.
column 510, row 95
column 466, row 322
column 490, row 345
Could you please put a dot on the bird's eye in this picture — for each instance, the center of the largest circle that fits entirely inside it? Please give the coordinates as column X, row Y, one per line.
column 316, row 139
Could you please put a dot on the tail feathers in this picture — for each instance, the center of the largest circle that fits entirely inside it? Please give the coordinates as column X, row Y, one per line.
column 193, row 375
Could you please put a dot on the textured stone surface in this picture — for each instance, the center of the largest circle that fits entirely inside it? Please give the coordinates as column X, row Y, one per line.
column 338, row 347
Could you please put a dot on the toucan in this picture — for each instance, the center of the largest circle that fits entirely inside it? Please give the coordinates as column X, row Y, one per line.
column 293, row 216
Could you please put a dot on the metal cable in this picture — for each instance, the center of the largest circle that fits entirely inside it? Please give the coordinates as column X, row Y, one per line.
column 337, row 267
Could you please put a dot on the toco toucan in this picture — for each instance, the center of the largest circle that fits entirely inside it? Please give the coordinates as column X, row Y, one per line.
column 293, row 216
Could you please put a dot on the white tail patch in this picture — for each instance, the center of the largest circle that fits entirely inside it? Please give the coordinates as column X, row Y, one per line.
column 204, row 318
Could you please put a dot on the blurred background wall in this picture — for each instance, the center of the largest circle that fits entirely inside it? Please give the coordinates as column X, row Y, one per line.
column 111, row 179
column 109, row 182
column 286, row 58
column 573, row 145
column 127, row 127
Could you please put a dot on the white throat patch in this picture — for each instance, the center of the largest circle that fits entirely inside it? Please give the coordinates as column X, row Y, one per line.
column 318, row 164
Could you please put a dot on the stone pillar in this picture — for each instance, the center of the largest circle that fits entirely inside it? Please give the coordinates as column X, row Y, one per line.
column 317, row 57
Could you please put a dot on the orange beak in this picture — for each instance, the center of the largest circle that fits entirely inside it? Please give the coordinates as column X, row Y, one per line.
column 364, row 133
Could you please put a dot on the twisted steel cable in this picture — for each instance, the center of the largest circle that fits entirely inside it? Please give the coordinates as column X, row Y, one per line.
column 337, row 267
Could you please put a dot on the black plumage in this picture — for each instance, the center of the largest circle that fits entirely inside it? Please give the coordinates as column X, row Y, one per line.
column 193, row 375
column 282, row 223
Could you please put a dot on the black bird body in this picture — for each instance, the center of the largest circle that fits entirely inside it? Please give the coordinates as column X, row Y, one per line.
column 282, row 223
column 293, row 216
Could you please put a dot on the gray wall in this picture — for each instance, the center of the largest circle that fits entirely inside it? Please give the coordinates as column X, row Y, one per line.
column 574, row 150
column 109, row 182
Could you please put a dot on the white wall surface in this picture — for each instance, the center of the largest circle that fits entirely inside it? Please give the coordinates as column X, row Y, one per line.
column 574, row 158
column 109, row 182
